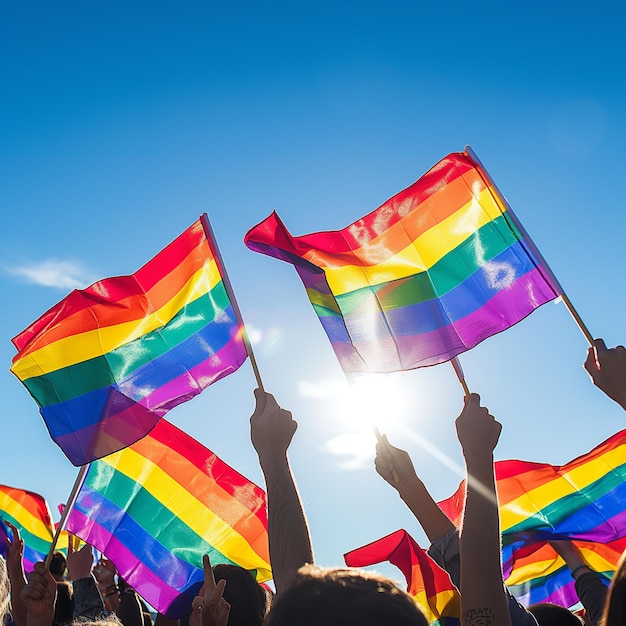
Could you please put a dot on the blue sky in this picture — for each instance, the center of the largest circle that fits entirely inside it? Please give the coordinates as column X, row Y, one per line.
column 120, row 123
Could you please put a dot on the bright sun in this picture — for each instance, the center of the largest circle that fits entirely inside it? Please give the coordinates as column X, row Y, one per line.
column 372, row 401
column 368, row 403
column 384, row 402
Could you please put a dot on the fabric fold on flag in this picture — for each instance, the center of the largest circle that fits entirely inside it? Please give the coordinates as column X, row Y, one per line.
column 155, row 508
column 429, row 585
column 431, row 273
column 30, row 514
column 581, row 501
column 107, row 362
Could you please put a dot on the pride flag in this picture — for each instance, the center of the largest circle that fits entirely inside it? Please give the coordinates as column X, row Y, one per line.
column 431, row 273
column 30, row 514
column 582, row 501
column 156, row 507
column 107, row 362
column 426, row 581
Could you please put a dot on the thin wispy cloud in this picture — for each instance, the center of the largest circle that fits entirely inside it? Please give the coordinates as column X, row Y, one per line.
column 352, row 451
column 323, row 388
column 53, row 273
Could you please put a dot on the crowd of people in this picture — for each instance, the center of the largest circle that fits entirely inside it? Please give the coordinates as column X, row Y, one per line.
column 68, row 590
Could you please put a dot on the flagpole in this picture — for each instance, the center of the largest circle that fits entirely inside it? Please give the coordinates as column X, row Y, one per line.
column 66, row 511
column 510, row 214
column 456, row 364
column 208, row 231
column 577, row 318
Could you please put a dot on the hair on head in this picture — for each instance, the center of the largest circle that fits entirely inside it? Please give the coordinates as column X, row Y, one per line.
column 343, row 597
column 548, row 614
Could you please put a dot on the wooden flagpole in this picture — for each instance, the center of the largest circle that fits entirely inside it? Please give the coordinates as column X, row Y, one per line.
column 509, row 214
column 456, row 364
column 208, row 231
column 66, row 511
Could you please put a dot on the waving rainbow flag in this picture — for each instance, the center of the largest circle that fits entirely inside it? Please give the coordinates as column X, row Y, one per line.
column 582, row 501
column 429, row 584
column 30, row 514
column 107, row 362
column 431, row 273
column 157, row 506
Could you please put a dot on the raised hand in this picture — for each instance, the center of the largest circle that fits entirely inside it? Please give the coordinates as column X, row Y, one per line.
column 394, row 465
column 483, row 600
column 210, row 608
column 39, row 596
column 79, row 562
column 15, row 569
column 271, row 428
column 15, row 551
column 607, row 368
column 271, row 431
column 105, row 572
column 477, row 430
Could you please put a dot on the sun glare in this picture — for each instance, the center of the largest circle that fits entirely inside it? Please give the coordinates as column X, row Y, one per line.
column 406, row 407
column 372, row 401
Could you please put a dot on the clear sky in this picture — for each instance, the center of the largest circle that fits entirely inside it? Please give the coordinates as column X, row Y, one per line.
column 121, row 122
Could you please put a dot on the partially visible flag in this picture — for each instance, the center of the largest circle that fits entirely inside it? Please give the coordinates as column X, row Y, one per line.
column 157, row 506
column 426, row 581
column 431, row 273
column 582, row 501
column 107, row 362
column 30, row 514
column 540, row 575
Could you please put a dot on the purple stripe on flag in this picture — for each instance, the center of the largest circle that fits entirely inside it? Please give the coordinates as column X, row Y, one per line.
column 167, row 596
column 506, row 308
column 135, row 421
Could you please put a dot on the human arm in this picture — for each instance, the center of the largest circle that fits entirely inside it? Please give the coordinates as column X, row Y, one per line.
column 129, row 609
column 572, row 557
column 15, row 570
column 87, row 600
column 411, row 489
column 607, row 368
column 104, row 573
column 210, row 608
column 589, row 587
column 39, row 595
column 439, row 529
column 271, row 431
column 483, row 598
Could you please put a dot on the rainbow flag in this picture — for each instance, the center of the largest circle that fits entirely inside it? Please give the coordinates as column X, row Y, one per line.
column 429, row 584
column 429, row 274
column 156, row 507
column 582, row 501
column 107, row 362
column 30, row 514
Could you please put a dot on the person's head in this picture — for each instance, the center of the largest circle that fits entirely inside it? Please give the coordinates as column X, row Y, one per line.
column 335, row 597
column 5, row 603
column 109, row 620
column 58, row 565
column 548, row 614
column 248, row 600
column 615, row 604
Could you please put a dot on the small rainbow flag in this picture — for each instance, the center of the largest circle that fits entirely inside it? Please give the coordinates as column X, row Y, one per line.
column 156, row 507
column 429, row 584
column 582, row 501
column 107, row 362
column 30, row 514
column 431, row 273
